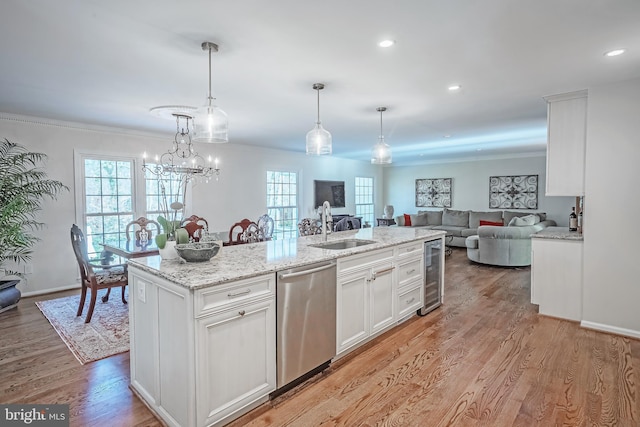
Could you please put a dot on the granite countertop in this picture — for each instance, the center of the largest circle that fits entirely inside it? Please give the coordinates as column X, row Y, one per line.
column 557, row 233
column 253, row 259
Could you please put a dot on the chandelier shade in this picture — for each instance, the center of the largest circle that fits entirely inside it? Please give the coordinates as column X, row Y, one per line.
column 318, row 138
column 211, row 124
column 381, row 152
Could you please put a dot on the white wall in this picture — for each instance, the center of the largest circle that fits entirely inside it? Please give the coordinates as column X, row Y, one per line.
column 240, row 192
column 611, row 288
column 470, row 189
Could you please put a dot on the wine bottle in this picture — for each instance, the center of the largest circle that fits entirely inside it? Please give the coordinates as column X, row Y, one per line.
column 580, row 222
column 573, row 220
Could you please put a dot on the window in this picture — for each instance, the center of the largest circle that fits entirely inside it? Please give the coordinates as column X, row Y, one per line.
column 108, row 201
column 364, row 199
column 108, row 198
column 163, row 191
column 282, row 203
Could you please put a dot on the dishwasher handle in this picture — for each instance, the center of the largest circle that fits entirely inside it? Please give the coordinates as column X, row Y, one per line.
column 305, row 272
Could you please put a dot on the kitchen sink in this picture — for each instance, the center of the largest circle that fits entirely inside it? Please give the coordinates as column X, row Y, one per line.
column 342, row 244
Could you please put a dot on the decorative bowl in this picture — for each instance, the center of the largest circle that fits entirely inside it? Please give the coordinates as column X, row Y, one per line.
column 197, row 251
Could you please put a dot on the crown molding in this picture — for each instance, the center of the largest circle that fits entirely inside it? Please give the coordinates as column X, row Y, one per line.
column 61, row 124
column 473, row 158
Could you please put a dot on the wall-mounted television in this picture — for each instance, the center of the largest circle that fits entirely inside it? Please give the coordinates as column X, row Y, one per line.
column 333, row 191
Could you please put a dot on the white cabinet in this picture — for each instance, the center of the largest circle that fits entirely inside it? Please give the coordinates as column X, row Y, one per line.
column 556, row 277
column 366, row 297
column 410, row 276
column 235, row 359
column 376, row 290
column 202, row 357
column 566, row 141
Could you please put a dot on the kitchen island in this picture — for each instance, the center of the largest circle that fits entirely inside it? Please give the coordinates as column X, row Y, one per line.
column 203, row 335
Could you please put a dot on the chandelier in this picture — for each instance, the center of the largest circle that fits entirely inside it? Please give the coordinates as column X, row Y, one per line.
column 182, row 160
column 381, row 153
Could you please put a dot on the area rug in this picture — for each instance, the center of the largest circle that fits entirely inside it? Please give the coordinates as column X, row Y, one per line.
column 107, row 333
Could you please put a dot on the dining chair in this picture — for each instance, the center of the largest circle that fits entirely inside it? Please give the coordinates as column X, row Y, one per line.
column 265, row 227
column 196, row 226
column 309, row 227
column 348, row 223
column 140, row 230
column 95, row 276
column 245, row 231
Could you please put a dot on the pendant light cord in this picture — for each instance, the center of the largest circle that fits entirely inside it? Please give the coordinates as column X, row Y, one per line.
column 318, row 91
column 210, row 97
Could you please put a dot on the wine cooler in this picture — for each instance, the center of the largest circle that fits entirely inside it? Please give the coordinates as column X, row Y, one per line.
column 433, row 257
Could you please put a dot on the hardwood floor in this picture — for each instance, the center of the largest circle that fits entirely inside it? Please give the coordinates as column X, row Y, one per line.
column 484, row 358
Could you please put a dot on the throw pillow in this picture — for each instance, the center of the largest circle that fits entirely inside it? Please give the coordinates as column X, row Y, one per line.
column 494, row 223
column 524, row 221
column 407, row 220
column 418, row 220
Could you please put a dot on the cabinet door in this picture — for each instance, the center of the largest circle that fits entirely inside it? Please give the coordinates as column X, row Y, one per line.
column 567, row 129
column 382, row 301
column 352, row 307
column 236, row 360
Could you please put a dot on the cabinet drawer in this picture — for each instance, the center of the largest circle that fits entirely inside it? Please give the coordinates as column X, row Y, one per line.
column 410, row 249
column 410, row 300
column 409, row 270
column 357, row 262
column 218, row 297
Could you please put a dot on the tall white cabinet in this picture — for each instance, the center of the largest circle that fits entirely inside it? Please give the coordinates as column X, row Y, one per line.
column 566, row 142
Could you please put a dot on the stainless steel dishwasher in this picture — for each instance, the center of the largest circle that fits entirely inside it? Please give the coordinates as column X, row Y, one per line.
column 306, row 321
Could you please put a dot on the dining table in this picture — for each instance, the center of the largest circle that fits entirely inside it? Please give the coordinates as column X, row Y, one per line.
column 132, row 248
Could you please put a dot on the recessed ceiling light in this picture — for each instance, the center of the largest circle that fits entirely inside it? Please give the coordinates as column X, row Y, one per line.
column 446, row 136
column 454, row 88
column 387, row 43
column 615, row 52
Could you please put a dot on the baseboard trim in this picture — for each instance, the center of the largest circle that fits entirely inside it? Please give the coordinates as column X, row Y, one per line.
column 610, row 329
column 49, row 291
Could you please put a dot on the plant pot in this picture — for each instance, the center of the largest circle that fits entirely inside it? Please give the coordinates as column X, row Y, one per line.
column 169, row 250
column 9, row 294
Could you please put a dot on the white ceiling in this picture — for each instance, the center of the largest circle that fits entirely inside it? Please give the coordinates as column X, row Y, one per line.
column 108, row 62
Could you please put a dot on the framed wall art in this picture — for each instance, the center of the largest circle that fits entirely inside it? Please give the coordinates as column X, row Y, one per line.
column 435, row 192
column 513, row 192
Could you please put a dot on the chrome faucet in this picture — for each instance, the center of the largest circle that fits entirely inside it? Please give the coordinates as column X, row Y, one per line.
column 325, row 216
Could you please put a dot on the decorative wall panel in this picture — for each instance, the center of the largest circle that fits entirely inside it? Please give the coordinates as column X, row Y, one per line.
column 433, row 192
column 513, row 192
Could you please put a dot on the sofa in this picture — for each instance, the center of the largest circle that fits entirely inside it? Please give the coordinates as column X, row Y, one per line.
column 494, row 237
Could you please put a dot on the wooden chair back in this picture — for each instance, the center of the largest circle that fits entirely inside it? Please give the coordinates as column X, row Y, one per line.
column 245, row 231
column 140, row 229
column 196, row 226
column 309, row 227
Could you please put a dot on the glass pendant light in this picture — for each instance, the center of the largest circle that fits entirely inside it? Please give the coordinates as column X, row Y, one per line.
column 318, row 139
column 211, row 124
column 381, row 153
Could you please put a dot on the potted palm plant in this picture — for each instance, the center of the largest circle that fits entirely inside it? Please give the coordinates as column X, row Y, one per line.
column 23, row 188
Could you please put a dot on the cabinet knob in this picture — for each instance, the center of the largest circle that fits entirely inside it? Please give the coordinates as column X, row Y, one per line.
column 241, row 312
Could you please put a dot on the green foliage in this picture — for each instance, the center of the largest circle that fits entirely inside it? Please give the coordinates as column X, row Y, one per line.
column 23, row 188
